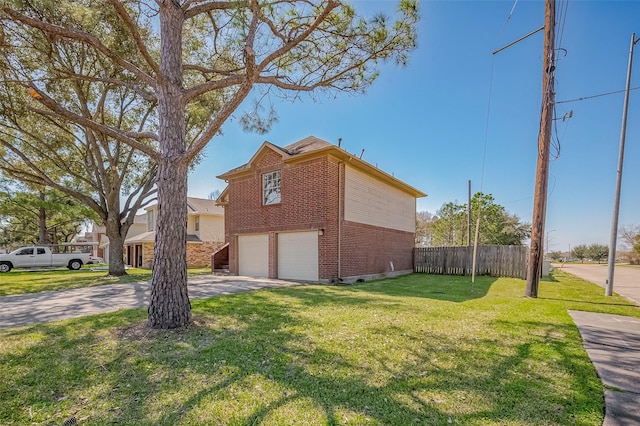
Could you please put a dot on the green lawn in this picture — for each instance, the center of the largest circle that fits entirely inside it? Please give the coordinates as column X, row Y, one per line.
column 26, row 281
column 413, row 350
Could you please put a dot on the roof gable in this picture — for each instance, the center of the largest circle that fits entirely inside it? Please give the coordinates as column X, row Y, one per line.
column 308, row 144
column 195, row 206
column 248, row 166
column 311, row 147
column 203, row 206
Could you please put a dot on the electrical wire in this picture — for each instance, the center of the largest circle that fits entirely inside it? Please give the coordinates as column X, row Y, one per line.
column 486, row 129
column 596, row 96
column 484, row 150
column 561, row 19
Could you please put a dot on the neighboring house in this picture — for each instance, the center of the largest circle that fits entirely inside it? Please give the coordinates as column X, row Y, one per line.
column 312, row 211
column 205, row 235
column 95, row 236
column 132, row 249
column 138, row 227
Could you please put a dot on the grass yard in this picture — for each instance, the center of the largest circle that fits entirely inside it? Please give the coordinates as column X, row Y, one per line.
column 414, row 350
column 25, row 281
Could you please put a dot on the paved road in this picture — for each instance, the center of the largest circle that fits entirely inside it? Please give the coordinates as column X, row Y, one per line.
column 48, row 306
column 626, row 279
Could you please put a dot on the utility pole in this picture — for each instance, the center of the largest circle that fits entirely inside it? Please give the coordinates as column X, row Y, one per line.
column 469, row 216
column 616, row 203
column 544, row 143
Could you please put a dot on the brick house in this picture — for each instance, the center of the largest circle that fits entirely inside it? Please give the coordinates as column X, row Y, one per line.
column 312, row 211
column 205, row 235
column 94, row 237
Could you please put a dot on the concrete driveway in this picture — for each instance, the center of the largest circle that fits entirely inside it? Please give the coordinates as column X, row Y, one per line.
column 48, row 306
column 626, row 279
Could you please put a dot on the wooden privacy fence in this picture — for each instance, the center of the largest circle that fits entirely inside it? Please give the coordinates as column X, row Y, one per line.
column 497, row 261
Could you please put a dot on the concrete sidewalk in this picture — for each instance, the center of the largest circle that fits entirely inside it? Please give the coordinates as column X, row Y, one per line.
column 613, row 345
column 49, row 306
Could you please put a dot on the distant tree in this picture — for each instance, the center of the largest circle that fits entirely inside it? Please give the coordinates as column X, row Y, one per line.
column 555, row 256
column 424, row 228
column 451, row 226
column 497, row 227
column 598, row 252
column 580, row 252
column 214, row 195
column 630, row 256
column 40, row 217
column 636, row 245
column 514, row 232
column 628, row 234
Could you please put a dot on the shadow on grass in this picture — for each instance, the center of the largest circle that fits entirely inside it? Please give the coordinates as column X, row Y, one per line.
column 291, row 356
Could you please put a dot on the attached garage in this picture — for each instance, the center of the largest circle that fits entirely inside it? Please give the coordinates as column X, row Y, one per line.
column 253, row 255
column 298, row 256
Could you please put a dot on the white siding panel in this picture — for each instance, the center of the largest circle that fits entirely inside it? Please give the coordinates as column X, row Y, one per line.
column 370, row 201
column 298, row 256
column 253, row 255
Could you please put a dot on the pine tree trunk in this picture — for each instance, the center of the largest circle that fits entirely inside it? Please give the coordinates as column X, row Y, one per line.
column 169, row 305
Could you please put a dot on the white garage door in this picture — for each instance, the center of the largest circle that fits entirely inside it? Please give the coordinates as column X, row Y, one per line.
column 253, row 255
column 298, row 256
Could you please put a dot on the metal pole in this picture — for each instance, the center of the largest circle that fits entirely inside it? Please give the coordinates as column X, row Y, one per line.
column 616, row 203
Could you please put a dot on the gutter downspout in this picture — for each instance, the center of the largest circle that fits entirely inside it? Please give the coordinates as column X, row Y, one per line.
column 340, row 163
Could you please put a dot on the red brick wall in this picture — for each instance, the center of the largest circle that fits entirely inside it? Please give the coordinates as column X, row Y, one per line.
column 310, row 191
column 368, row 249
column 198, row 254
column 308, row 202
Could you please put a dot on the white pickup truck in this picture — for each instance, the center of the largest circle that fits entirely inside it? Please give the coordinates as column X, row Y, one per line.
column 41, row 257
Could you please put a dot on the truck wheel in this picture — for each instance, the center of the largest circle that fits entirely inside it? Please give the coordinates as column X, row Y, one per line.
column 75, row 265
column 5, row 267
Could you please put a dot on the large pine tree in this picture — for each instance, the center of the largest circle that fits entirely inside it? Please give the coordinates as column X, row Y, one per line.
column 210, row 57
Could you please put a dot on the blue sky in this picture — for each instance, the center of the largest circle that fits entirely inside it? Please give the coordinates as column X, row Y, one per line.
column 426, row 123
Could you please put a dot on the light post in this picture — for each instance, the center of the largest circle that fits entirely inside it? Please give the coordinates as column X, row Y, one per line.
column 616, row 204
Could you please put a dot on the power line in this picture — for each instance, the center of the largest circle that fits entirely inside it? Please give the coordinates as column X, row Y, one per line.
column 486, row 128
column 564, row 6
column 595, row 96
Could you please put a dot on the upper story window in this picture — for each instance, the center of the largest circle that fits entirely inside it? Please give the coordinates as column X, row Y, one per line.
column 151, row 223
column 271, row 188
column 197, row 223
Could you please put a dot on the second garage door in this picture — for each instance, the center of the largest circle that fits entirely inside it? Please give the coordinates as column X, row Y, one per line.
column 253, row 255
column 298, row 256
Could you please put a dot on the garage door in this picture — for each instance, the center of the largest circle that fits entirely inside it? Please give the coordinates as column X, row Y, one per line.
column 298, row 256
column 253, row 255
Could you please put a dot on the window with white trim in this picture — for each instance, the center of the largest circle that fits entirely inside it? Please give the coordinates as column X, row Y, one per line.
column 271, row 188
